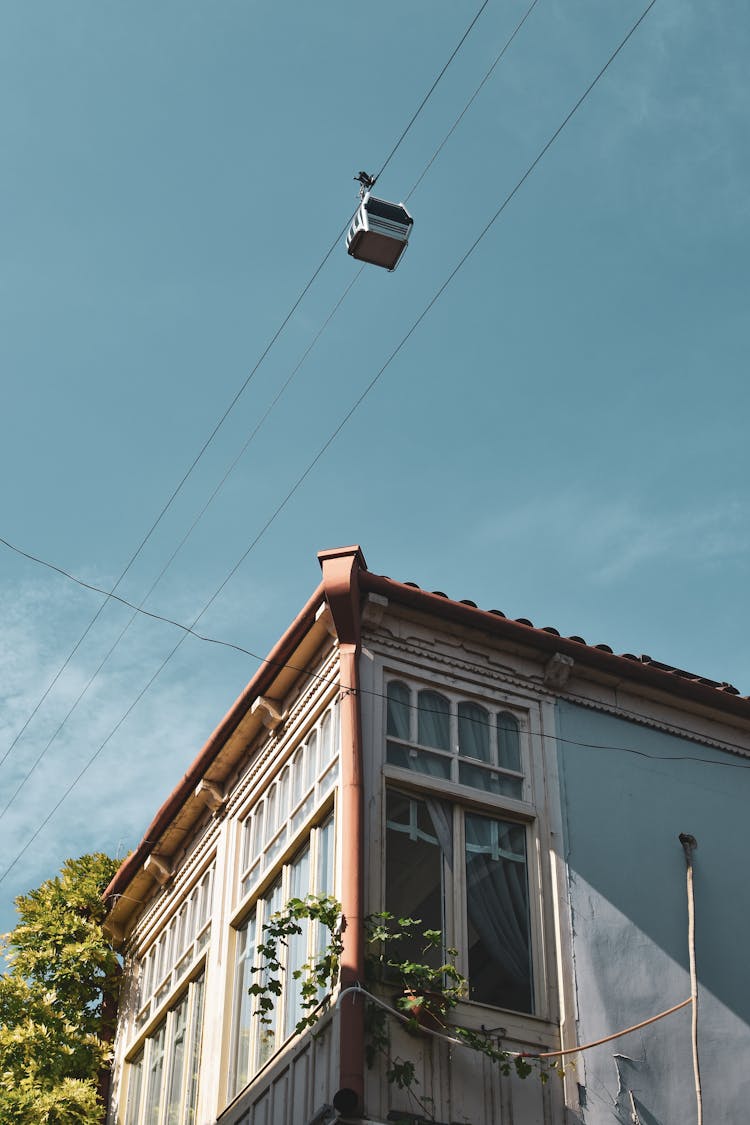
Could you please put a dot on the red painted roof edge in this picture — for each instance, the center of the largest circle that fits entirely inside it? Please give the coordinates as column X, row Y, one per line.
column 262, row 679
column 663, row 677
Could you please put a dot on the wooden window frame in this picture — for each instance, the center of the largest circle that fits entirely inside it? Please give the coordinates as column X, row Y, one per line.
column 138, row 1109
column 258, row 908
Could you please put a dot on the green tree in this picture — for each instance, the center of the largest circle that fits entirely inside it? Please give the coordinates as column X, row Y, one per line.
column 58, row 1000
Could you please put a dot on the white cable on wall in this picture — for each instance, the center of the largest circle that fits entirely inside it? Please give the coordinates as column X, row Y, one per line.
column 689, row 844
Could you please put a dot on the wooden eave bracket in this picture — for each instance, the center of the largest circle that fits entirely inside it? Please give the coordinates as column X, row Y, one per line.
column 158, row 867
column 268, row 711
column 325, row 616
column 210, row 794
column 557, row 670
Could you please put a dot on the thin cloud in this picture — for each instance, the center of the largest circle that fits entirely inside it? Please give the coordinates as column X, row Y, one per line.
column 606, row 541
column 119, row 794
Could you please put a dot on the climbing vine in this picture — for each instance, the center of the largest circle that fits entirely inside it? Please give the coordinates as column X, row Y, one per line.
column 317, row 975
column 429, row 988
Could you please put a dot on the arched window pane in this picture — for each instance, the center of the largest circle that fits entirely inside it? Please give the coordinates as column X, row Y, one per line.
column 474, row 731
column 434, row 720
column 508, row 742
column 311, row 759
column 325, row 740
column 398, row 710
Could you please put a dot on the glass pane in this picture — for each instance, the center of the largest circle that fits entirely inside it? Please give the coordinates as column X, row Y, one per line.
column 267, row 1032
column 399, row 710
column 490, row 780
column 155, row 1075
column 190, row 920
column 135, row 1082
column 434, row 720
column 206, row 907
column 508, row 742
column 336, row 712
column 146, row 974
column 418, row 841
column 177, row 1063
column 284, row 795
column 328, row 780
column 497, row 902
column 326, row 740
column 304, row 811
column 270, row 802
column 299, row 887
column 161, row 959
column 256, row 845
column 474, row 731
column 243, row 1008
column 421, row 761
column 179, row 948
column 196, row 1034
column 311, row 760
column 298, row 776
column 324, row 885
column 324, row 882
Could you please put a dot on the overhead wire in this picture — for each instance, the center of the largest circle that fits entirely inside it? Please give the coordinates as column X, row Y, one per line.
column 430, row 92
column 365, row 392
column 139, row 608
column 471, row 100
column 288, row 666
column 233, row 401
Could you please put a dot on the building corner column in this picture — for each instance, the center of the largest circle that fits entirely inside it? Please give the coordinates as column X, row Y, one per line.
column 341, row 568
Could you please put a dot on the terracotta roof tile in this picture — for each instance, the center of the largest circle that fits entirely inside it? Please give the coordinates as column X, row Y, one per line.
column 646, row 660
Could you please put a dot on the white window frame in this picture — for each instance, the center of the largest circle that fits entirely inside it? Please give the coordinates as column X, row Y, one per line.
column 455, row 924
column 274, row 892
column 293, row 806
column 174, row 952
column 452, row 757
column 138, row 1099
column 527, row 811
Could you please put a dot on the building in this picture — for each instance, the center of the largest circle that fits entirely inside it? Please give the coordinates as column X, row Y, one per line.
column 522, row 792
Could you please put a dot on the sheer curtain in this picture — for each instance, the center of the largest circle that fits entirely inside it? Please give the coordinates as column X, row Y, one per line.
column 497, row 905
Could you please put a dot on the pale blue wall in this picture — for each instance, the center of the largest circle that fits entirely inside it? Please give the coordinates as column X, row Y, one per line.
column 622, row 816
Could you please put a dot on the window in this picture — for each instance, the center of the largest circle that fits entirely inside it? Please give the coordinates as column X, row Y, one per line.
column 464, row 873
column 163, row 1076
column 175, row 951
column 456, row 842
column 311, row 871
column 301, row 787
column 454, row 739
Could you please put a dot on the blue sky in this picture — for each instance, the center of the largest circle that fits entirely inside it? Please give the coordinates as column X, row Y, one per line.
column 563, row 437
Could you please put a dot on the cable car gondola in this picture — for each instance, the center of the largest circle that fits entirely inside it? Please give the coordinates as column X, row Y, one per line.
column 380, row 230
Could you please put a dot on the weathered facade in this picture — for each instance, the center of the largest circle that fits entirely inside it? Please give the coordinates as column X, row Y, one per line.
column 521, row 792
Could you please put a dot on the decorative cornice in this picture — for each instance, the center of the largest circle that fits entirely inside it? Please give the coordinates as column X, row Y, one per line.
column 426, row 655
column 413, row 650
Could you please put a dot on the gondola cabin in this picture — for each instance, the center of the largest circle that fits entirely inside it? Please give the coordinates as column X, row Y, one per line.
column 379, row 232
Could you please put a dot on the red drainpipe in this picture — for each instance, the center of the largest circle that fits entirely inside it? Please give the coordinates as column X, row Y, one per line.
column 341, row 568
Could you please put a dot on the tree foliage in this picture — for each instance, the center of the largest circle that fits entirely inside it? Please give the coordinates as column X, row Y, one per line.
column 57, row 999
